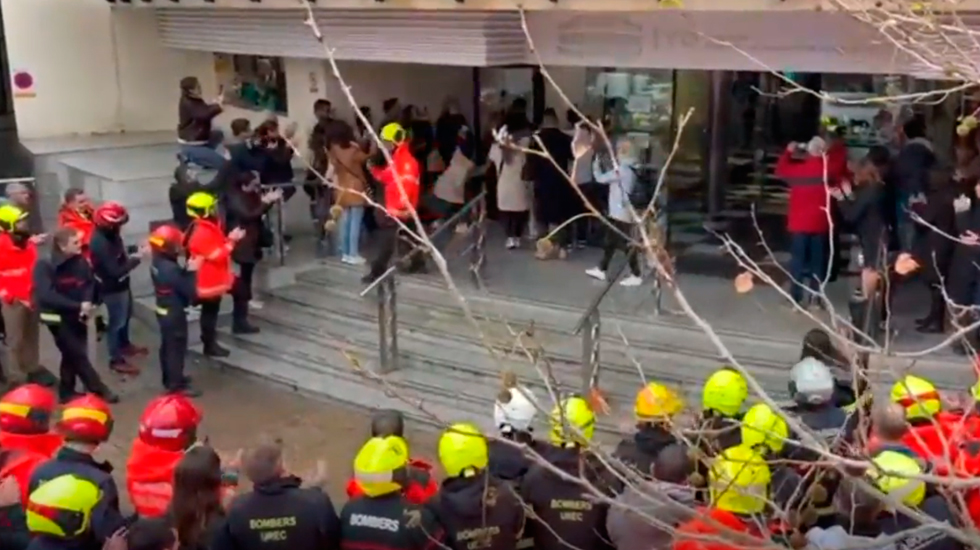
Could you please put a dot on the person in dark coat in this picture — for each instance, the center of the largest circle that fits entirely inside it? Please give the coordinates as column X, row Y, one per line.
column 963, row 284
column 198, row 142
column 932, row 249
column 912, row 166
column 246, row 207
column 555, row 201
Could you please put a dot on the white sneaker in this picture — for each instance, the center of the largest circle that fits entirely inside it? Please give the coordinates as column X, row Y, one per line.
column 255, row 304
column 632, row 280
column 346, row 259
column 356, row 260
column 596, row 273
column 510, row 243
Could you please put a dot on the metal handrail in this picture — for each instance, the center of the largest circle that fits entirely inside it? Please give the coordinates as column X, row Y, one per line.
column 597, row 299
column 451, row 222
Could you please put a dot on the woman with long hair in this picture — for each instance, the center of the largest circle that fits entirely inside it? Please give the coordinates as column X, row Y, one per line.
column 196, row 506
column 507, row 166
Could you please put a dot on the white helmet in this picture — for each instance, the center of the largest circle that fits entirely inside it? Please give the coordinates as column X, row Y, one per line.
column 811, row 382
column 516, row 412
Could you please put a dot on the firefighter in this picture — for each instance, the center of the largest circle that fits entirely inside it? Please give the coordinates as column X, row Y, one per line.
column 25, row 431
column 64, row 290
column 77, row 213
column 383, row 519
column 206, row 238
column 895, row 474
column 722, row 398
column 419, row 484
column 18, row 255
column 93, row 505
column 513, row 413
column 738, row 486
column 565, row 509
column 112, row 265
column 931, row 430
column 654, row 409
column 766, row 432
column 175, row 288
column 476, row 509
column 167, row 428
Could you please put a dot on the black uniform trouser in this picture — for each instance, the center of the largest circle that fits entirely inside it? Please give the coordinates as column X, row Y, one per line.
column 614, row 241
column 241, row 291
column 388, row 246
column 209, row 320
column 173, row 349
column 71, row 338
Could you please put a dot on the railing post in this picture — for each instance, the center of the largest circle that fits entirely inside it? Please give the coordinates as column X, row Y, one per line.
column 388, row 325
column 590, row 351
column 478, row 230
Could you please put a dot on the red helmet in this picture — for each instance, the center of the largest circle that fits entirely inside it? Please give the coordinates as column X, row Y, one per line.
column 166, row 238
column 170, row 422
column 110, row 214
column 27, row 409
column 86, row 419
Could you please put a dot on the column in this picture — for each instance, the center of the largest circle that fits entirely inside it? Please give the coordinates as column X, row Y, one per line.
column 717, row 153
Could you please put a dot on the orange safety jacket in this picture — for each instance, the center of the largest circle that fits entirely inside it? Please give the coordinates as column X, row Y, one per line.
column 83, row 223
column 16, row 270
column 27, row 452
column 206, row 238
column 722, row 525
column 407, row 168
column 149, row 478
column 420, row 487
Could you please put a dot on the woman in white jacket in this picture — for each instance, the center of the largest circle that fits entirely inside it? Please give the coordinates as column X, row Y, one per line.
column 513, row 199
column 621, row 184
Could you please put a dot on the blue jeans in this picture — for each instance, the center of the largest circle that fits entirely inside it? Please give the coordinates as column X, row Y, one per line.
column 203, row 156
column 808, row 263
column 350, row 230
column 120, row 308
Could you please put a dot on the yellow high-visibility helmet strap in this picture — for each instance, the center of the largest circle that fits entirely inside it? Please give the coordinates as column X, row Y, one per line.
column 572, row 422
column 763, row 426
column 393, row 132
column 657, row 402
column 10, row 215
column 62, row 507
column 201, row 204
column 738, row 481
column 463, row 450
column 725, row 392
column 917, row 396
column 894, row 474
column 377, row 464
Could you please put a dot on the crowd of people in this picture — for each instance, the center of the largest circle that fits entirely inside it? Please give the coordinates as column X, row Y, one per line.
column 823, row 472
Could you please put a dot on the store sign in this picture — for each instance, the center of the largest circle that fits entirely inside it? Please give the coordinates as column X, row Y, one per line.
column 747, row 41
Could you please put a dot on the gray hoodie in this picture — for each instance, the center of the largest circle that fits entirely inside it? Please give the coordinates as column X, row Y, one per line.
column 669, row 503
column 836, row 538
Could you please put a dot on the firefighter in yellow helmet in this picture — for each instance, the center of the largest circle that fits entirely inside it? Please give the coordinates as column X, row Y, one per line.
column 472, row 501
column 60, row 513
column 383, row 517
column 764, row 430
column 930, row 429
column 654, row 410
column 738, row 481
column 562, row 506
column 722, row 398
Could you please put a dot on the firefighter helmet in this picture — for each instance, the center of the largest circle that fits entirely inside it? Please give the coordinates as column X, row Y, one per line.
column 380, row 465
column 167, row 239
column 917, row 396
column 738, row 481
column 762, row 426
column 811, row 382
column 656, row 402
column 514, row 410
column 463, row 450
column 10, row 216
column 202, row 205
column 170, row 422
column 393, row 132
column 27, row 409
column 86, row 419
column 62, row 507
column 572, row 422
column 110, row 214
column 724, row 392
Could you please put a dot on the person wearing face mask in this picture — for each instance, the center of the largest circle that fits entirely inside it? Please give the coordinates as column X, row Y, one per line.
column 112, row 264
column 18, row 254
column 621, row 183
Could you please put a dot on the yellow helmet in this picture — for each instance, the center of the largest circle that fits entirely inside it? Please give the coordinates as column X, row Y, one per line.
column 894, row 475
column 393, row 132
column 763, row 426
column 572, row 422
column 10, row 215
column 62, row 507
column 917, row 396
column 724, row 392
column 463, row 450
column 738, row 481
column 202, row 205
column 656, row 402
column 379, row 465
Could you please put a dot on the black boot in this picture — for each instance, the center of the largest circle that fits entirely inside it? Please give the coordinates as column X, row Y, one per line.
column 108, row 395
column 239, row 319
column 43, row 377
column 212, row 349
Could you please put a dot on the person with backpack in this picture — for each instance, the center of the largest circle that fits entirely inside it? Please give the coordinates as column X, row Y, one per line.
column 620, row 214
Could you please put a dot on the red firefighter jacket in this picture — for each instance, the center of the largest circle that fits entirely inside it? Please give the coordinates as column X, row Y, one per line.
column 206, row 238
column 69, row 217
column 27, row 452
column 712, row 521
column 16, row 270
column 935, row 442
column 149, row 478
column 420, row 488
column 407, row 168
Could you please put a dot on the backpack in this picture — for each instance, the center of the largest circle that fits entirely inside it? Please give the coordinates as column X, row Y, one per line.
column 643, row 189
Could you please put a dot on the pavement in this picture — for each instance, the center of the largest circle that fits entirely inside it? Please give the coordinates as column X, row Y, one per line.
column 240, row 411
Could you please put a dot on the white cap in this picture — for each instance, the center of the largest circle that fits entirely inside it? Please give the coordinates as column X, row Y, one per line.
column 518, row 413
column 813, row 381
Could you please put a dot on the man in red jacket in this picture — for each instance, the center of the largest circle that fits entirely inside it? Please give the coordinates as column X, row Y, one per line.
column 804, row 169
